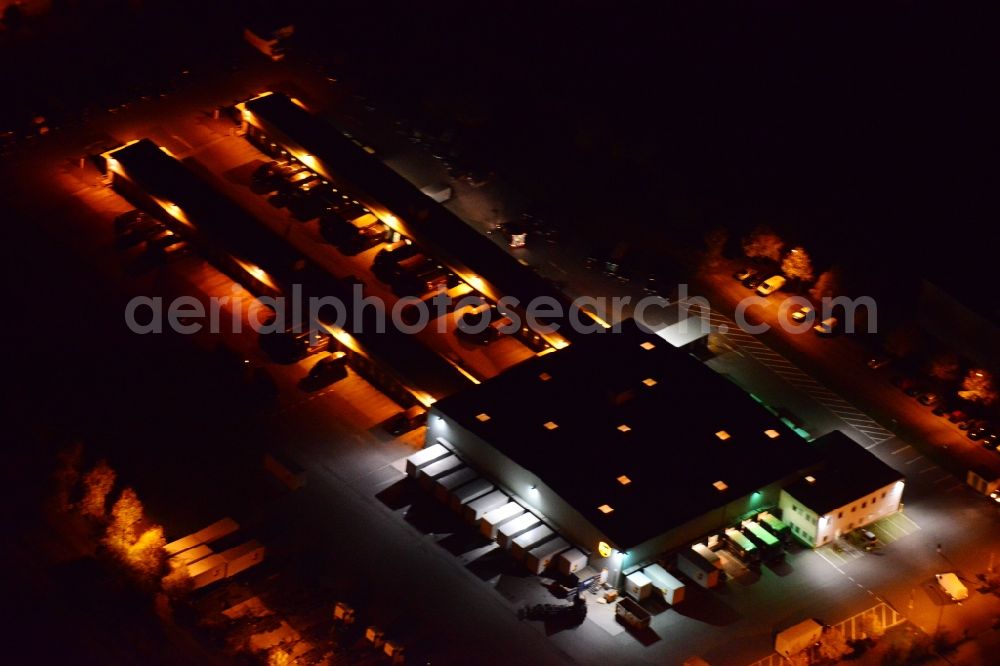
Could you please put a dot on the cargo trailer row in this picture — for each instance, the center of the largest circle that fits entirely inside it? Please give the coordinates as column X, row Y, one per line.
column 741, row 546
column 775, row 527
column 767, row 544
column 497, row 516
column 206, row 535
column 204, row 566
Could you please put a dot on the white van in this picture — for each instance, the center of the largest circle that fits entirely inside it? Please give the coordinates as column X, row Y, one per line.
column 771, row 285
column 826, row 327
column 952, row 586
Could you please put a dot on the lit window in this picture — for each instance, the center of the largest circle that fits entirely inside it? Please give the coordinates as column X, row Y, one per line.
column 720, row 485
column 811, row 479
column 624, row 480
column 649, row 381
column 545, row 376
column 550, row 425
column 772, row 433
column 605, row 508
column 483, row 417
column 624, row 428
column 647, row 345
column 723, row 435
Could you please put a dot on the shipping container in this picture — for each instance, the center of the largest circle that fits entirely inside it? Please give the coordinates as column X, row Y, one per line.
column 479, row 507
column 206, row 535
column 428, row 473
column 444, row 484
column 695, row 566
column 631, row 614
column 571, row 561
column 671, row 588
column 638, row 586
column 190, row 556
column 709, row 554
column 425, row 457
column 243, row 557
column 207, row 570
column 540, row 557
column 515, row 528
column 463, row 494
column 533, row 537
column 491, row 522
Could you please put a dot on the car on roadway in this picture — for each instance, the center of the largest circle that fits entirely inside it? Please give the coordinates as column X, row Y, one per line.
column 952, row 586
column 753, row 280
column 877, row 362
column 826, row 327
column 803, row 313
column 929, row 398
column 743, row 274
column 329, row 369
column 771, row 285
column 957, row 416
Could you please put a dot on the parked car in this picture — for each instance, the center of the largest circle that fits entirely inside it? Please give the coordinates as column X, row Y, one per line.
column 877, row 362
column 957, row 416
column 802, row 313
column 743, row 274
column 329, row 369
column 771, row 285
column 929, row 398
column 826, row 327
column 753, row 280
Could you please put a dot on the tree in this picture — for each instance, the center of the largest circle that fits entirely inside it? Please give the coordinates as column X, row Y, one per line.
column 833, row 645
column 715, row 245
column 97, row 483
column 278, row 657
column 178, row 582
column 125, row 515
column 146, row 555
column 797, row 265
column 67, row 475
column 827, row 285
column 944, row 366
column 716, row 343
column 978, row 387
column 763, row 243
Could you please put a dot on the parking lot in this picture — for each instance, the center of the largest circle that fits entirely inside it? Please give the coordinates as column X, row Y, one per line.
column 850, row 547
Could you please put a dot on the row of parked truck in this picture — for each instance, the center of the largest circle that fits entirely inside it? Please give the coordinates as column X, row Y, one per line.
column 214, row 552
column 498, row 516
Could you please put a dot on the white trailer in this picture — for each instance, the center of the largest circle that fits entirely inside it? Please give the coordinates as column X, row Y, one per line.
column 671, row 588
column 428, row 473
column 491, row 522
column 464, row 494
column 571, row 561
column 709, row 554
column 515, row 528
column 188, row 557
column 694, row 565
column 243, row 557
column 207, row 570
column 439, row 192
column 445, row 484
column 479, row 507
column 638, row 586
column 795, row 639
column 425, row 457
column 206, row 535
column 533, row 537
column 540, row 557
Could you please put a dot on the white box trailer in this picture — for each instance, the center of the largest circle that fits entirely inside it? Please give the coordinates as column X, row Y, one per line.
column 474, row 510
column 671, row 588
column 439, row 192
column 571, row 561
column 533, row 537
column 540, row 557
column 515, row 528
column 242, row 557
column 207, row 570
column 453, row 479
column 638, row 586
column 206, row 535
column 425, row 457
column 795, row 639
column 491, row 522
column 428, row 473
column 696, row 567
column 468, row 492
column 188, row 557
column 709, row 554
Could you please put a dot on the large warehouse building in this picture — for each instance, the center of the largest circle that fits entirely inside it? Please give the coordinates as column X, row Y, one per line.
column 625, row 444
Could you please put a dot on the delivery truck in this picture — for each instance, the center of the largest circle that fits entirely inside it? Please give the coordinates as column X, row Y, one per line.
column 425, row 457
column 539, row 558
column 693, row 564
column 775, row 527
column 491, row 521
column 530, row 539
column 479, row 507
column 671, row 588
column 443, row 485
column 795, row 639
column 768, row 544
column 741, row 546
column 515, row 528
column 464, row 494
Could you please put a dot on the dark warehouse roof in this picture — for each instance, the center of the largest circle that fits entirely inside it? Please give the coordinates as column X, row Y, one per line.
column 630, row 405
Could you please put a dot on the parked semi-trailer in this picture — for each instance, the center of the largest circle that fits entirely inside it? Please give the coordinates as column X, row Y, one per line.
column 671, row 588
column 425, row 457
column 491, row 521
column 533, row 537
column 795, row 639
column 443, row 485
column 540, row 557
column 769, row 545
column 741, row 546
column 464, row 494
column 693, row 565
column 515, row 528
column 428, row 473
column 480, row 506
